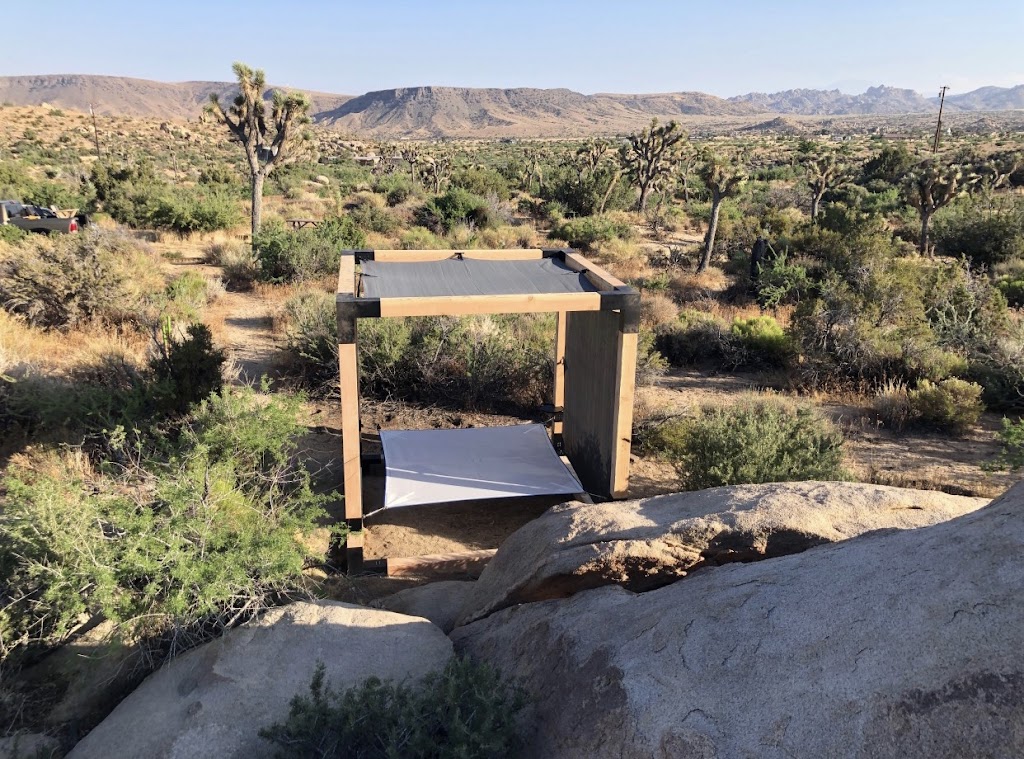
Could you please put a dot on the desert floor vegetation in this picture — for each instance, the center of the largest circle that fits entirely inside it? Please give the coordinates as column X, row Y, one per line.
column 168, row 380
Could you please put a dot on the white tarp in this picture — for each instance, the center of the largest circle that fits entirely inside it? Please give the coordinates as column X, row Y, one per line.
column 438, row 466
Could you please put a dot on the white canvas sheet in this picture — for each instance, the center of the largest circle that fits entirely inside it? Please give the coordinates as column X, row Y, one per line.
column 438, row 466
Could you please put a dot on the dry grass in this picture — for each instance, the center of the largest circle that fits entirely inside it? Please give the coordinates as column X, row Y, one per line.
column 25, row 349
column 656, row 309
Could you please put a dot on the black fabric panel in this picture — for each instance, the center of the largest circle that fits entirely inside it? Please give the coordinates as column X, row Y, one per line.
column 421, row 279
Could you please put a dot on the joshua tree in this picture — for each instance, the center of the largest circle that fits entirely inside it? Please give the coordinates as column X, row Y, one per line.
column 411, row 155
column 929, row 187
column 437, row 169
column 824, row 172
column 650, row 155
column 266, row 146
column 724, row 178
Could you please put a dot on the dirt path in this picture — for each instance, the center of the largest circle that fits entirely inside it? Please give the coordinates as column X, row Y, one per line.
column 243, row 324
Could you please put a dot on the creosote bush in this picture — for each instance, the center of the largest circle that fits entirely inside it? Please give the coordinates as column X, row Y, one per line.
column 466, row 711
column 1011, row 437
column 495, row 363
column 194, row 530
column 294, row 255
column 757, row 440
column 586, row 232
column 63, row 281
column 952, row 405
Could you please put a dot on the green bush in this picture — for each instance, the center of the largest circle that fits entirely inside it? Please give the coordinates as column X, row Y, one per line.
column 780, row 283
column 295, row 255
column 482, row 182
column 761, row 341
column 493, row 363
column 312, row 339
column 456, row 207
column 186, row 211
column 187, row 296
column 186, row 371
column 985, row 236
column 1012, row 288
column 696, row 339
column 419, row 238
column 186, row 538
column 587, row 231
column 466, row 711
column 952, row 405
column 373, row 218
column 754, row 441
column 1011, row 455
column 11, row 234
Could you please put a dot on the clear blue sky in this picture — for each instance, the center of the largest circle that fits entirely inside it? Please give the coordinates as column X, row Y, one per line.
column 725, row 47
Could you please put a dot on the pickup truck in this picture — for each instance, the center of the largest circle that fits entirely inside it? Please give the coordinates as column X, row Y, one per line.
column 38, row 219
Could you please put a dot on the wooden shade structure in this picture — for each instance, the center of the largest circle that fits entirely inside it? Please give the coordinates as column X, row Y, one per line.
column 595, row 347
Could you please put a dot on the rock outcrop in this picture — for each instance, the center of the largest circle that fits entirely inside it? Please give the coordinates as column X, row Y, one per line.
column 898, row 643
column 213, row 700
column 440, row 602
column 645, row 544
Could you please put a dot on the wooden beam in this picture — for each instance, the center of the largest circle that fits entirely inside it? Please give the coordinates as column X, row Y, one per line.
column 625, row 381
column 599, row 278
column 458, row 305
column 558, row 400
column 347, row 276
column 469, row 563
column 407, row 256
column 348, row 365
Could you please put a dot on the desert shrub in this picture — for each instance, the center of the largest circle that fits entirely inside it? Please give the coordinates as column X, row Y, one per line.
column 419, row 238
column 368, row 213
column 1012, row 288
column 195, row 535
column 187, row 296
column 587, row 231
column 62, row 281
column 466, row 711
column 964, row 309
column 779, row 282
column 239, row 265
column 952, row 405
column 456, row 207
column 185, row 370
column 695, row 339
column 999, row 368
column 97, row 398
column 396, row 188
column 983, row 234
column 1011, row 438
column 12, row 235
column 481, row 182
column 754, row 441
column 760, row 340
column 311, row 334
column 294, row 255
column 185, row 211
column 583, row 195
column 656, row 309
column 650, row 364
column 484, row 363
column 889, row 320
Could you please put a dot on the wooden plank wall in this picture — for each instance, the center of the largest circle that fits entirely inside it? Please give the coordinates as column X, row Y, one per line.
column 598, row 400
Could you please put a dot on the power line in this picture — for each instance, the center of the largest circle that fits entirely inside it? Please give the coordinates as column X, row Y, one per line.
column 938, row 126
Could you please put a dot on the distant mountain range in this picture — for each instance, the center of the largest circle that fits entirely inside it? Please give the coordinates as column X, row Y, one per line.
column 419, row 112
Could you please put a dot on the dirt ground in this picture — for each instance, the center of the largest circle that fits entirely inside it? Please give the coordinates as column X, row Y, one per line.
column 247, row 326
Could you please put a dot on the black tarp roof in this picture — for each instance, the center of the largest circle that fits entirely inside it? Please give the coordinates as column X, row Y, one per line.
column 470, row 276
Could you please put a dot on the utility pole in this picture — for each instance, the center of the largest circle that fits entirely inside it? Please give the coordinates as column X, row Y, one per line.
column 95, row 132
column 938, row 126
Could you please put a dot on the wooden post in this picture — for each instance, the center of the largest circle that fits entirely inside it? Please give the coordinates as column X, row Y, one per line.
column 558, row 400
column 348, row 370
